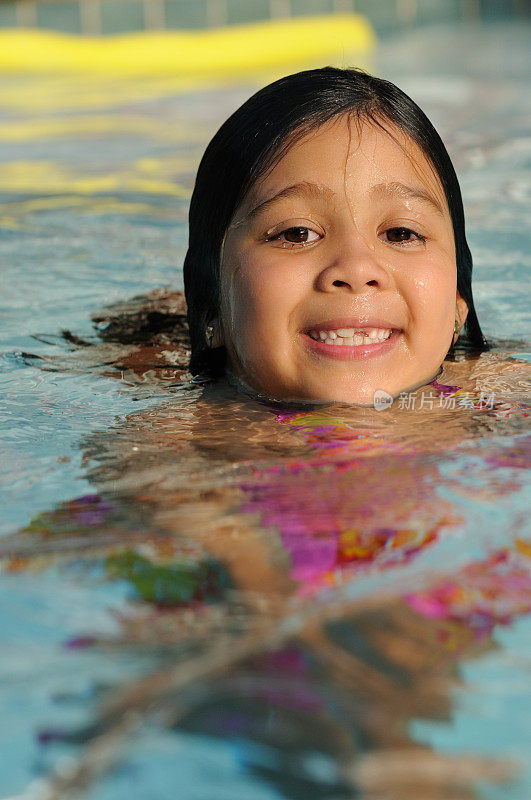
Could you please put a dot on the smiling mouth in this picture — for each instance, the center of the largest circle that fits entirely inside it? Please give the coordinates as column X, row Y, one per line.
column 351, row 337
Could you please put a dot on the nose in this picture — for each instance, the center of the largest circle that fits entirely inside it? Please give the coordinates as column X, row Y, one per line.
column 352, row 265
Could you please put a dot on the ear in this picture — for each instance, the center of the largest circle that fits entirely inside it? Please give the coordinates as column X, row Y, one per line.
column 214, row 335
column 461, row 313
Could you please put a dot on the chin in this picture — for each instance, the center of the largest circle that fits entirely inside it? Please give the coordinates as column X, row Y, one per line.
column 374, row 393
column 315, row 397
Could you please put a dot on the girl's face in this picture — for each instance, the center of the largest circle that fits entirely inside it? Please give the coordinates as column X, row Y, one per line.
column 338, row 274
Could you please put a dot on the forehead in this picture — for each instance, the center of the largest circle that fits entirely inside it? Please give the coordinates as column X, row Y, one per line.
column 351, row 154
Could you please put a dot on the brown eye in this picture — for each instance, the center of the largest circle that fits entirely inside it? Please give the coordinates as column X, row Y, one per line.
column 298, row 235
column 398, row 235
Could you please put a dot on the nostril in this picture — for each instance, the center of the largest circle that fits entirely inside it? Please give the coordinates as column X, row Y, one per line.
column 344, row 283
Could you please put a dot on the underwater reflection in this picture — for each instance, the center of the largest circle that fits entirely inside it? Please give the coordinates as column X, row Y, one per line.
column 308, row 582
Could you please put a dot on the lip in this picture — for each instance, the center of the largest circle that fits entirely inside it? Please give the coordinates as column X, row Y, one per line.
column 351, row 352
column 351, row 322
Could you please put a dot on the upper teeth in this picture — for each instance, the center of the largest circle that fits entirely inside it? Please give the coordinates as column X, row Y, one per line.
column 352, row 336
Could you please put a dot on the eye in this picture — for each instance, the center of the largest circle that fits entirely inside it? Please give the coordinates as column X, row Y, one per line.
column 402, row 236
column 298, row 235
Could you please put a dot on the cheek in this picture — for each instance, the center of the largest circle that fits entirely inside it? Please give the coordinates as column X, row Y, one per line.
column 431, row 293
column 249, row 314
column 237, row 299
column 260, row 295
column 245, row 300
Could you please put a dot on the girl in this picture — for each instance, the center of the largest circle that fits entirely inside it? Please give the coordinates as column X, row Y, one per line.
column 327, row 255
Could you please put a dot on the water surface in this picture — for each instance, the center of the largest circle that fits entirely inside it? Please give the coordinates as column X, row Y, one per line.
column 207, row 596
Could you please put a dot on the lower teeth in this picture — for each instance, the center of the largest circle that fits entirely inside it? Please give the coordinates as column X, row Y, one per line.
column 352, row 342
column 356, row 341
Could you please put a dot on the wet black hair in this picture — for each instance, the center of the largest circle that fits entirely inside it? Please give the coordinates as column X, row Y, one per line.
column 255, row 137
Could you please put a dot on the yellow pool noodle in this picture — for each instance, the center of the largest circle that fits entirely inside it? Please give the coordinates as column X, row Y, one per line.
column 228, row 51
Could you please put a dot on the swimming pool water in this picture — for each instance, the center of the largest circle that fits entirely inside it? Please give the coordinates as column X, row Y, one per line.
column 204, row 597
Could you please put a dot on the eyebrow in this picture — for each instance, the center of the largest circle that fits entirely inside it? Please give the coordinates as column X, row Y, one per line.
column 394, row 189
column 319, row 192
column 307, row 188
